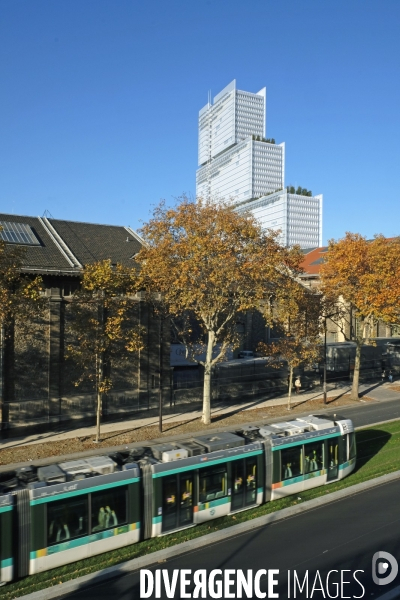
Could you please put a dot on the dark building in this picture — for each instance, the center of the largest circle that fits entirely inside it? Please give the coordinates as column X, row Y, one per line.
column 37, row 383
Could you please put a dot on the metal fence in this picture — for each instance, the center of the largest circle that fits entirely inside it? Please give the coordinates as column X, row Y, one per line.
column 239, row 383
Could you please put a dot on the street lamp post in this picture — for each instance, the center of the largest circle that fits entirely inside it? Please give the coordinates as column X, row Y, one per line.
column 160, row 399
column 325, row 363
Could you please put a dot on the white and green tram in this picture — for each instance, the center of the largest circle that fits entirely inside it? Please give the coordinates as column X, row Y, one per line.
column 66, row 511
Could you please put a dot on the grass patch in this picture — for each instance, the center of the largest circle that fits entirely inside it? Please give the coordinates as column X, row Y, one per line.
column 378, row 453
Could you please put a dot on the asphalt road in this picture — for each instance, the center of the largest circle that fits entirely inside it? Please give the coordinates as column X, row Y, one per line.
column 387, row 407
column 341, row 537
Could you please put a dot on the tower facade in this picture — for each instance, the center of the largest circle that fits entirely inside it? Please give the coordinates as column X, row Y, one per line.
column 238, row 164
column 299, row 218
column 235, row 161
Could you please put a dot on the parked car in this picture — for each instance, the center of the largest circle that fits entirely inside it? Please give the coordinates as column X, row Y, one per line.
column 246, row 354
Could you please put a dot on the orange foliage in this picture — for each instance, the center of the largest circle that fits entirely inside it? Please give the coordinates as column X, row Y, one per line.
column 366, row 274
column 363, row 277
column 101, row 324
column 206, row 258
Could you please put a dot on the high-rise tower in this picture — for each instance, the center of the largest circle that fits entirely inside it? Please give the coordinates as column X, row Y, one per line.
column 298, row 217
column 239, row 164
column 236, row 161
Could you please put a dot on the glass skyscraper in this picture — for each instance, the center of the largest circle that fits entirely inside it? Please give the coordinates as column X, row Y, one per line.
column 239, row 164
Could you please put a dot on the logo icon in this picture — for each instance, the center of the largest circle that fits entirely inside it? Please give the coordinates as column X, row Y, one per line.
column 381, row 561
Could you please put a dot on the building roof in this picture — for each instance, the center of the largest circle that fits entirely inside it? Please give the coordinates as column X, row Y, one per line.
column 65, row 247
column 313, row 259
column 45, row 256
column 90, row 242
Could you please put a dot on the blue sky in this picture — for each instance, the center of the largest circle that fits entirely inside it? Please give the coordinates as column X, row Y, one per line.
column 99, row 102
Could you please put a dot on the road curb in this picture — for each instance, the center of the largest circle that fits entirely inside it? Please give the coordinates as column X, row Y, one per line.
column 223, row 534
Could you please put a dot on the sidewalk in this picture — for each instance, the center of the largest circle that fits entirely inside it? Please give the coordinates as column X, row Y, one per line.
column 137, row 422
column 377, row 391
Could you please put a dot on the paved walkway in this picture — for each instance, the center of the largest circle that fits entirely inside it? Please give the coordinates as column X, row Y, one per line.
column 377, row 391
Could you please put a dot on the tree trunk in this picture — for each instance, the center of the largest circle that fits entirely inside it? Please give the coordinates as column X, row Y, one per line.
column 357, row 363
column 99, row 395
column 100, row 368
column 289, row 407
column 206, row 418
column 99, row 379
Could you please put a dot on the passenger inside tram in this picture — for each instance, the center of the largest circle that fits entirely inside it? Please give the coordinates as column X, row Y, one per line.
column 106, row 519
column 59, row 532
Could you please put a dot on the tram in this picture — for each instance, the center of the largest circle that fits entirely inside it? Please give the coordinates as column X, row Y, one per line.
column 66, row 511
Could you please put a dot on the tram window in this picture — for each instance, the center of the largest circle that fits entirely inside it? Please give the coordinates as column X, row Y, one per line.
column 291, row 461
column 342, row 449
column 170, row 502
column 333, row 451
column 213, row 484
column 352, row 445
column 170, row 491
column 186, row 496
column 251, row 479
column 313, row 457
column 66, row 520
column 109, row 509
column 237, row 475
column 186, row 490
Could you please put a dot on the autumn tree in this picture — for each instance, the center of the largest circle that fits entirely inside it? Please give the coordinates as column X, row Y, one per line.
column 101, row 325
column 360, row 280
column 296, row 310
column 20, row 300
column 211, row 263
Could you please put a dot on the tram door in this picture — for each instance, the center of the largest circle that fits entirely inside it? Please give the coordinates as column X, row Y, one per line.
column 177, row 493
column 333, row 459
column 244, row 482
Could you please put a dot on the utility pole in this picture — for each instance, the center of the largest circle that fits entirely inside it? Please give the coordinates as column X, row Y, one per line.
column 160, row 424
column 325, row 363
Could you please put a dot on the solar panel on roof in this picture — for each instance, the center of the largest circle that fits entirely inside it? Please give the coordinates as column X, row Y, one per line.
column 18, row 233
